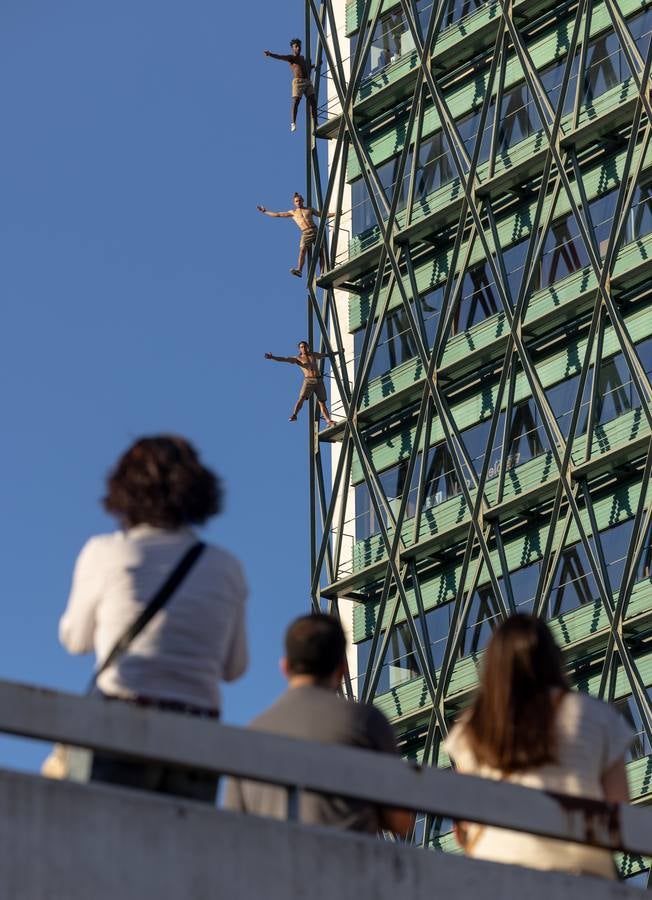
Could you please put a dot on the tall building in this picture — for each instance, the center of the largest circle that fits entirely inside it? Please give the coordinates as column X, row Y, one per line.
column 487, row 305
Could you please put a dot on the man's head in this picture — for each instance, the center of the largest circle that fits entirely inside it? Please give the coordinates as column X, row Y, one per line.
column 315, row 650
column 295, row 46
column 304, row 347
column 298, row 199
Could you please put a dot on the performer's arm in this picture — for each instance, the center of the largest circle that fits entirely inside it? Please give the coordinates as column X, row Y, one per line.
column 274, row 215
column 282, row 56
column 287, row 359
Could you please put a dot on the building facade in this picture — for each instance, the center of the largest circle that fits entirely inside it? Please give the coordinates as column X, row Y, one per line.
column 487, row 308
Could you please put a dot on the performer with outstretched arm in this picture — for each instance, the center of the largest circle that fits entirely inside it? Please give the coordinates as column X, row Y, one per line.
column 301, row 83
column 313, row 380
column 303, row 217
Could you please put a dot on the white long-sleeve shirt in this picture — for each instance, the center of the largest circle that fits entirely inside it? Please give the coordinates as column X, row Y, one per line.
column 197, row 640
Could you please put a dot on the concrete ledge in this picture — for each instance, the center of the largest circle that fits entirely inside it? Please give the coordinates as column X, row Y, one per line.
column 63, row 841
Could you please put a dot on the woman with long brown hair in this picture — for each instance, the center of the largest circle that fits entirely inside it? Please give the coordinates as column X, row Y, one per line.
column 526, row 726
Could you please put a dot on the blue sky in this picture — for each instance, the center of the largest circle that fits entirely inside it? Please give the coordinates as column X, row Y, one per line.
column 140, row 289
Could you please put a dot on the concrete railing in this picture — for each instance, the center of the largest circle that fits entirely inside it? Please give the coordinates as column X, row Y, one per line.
column 69, row 840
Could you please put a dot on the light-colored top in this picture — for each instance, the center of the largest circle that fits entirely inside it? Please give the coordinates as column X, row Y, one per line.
column 195, row 641
column 592, row 736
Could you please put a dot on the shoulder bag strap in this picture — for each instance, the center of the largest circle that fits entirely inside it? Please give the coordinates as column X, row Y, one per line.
column 157, row 602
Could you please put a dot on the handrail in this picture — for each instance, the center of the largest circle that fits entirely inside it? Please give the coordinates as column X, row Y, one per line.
column 148, row 734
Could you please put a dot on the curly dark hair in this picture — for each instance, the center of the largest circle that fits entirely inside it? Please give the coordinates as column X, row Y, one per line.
column 160, row 481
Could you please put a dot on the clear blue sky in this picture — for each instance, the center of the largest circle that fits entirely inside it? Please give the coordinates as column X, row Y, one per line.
column 140, row 289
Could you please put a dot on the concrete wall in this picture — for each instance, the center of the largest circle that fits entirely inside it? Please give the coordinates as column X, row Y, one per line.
column 64, row 841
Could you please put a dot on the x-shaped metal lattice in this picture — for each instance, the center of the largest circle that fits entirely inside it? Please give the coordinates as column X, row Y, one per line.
column 560, row 177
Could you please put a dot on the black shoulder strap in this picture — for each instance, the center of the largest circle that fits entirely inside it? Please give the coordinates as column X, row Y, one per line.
column 157, row 602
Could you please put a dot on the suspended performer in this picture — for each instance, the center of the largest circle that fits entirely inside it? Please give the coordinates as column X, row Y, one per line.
column 313, row 380
column 301, row 83
column 303, row 216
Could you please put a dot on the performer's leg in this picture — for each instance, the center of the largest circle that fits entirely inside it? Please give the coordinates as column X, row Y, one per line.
column 297, row 408
column 293, row 112
column 325, row 413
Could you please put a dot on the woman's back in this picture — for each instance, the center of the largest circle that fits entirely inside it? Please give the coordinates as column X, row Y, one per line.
column 197, row 640
column 591, row 737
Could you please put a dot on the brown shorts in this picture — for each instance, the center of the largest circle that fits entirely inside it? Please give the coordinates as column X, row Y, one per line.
column 302, row 87
column 307, row 239
column 312, row 386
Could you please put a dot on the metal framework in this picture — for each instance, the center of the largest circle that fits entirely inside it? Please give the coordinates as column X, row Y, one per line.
column 524, row 177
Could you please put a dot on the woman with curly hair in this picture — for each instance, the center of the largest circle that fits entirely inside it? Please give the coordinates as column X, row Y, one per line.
column 526, row 726
column 157, row 491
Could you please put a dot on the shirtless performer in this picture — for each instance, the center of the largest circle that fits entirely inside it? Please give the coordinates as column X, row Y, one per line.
column 313, row 380
column 301, row 83
column 302, row 215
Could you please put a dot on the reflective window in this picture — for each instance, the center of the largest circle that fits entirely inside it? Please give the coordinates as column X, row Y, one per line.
column 644, row 565
column 524, row 584
column 401, row 661
column 396, row 343
column 605, row 66
column 392, row 482
column 551, row 79
column 615, row 390
column 615, row 545
column 526, row 436
column 518, row 118
column 479, row 298
column 442, row 482
column 573, row 584
column 362, row 212
column 460, row 9
column 564, row 252
column 438, row 623
column 640, row 27
column 602, row 216
column 434, row 167
column 476, row 440
column 391, row 40
column 640, row 217
column 468, row 129
column 562, row 398
column 481, row 621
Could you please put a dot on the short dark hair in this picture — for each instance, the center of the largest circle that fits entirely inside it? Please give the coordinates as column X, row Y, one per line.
column 304, row 342
column 160, row 481
column 315, row 645
column 296, row 41
column 297, row 194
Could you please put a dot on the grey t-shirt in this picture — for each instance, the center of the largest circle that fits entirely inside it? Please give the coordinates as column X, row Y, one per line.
column 316, row 714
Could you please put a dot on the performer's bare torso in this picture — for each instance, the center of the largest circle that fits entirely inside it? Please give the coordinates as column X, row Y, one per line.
column 309, row 365
column 299, row 67
column 303, row 216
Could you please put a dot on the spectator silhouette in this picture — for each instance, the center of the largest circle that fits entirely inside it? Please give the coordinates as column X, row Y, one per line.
column 314, row 664
column 527, row 727
column 157, row 490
